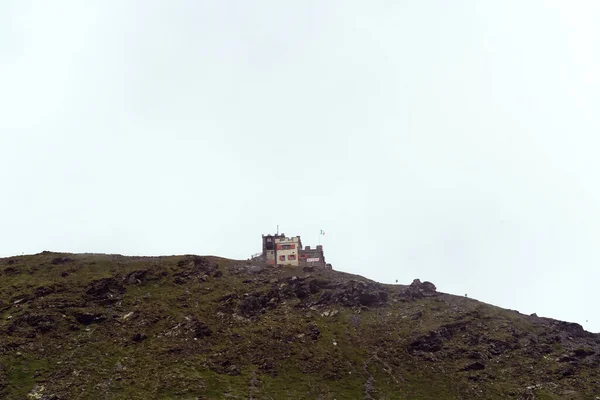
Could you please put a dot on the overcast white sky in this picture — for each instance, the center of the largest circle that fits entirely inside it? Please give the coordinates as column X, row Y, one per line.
column 454, row 142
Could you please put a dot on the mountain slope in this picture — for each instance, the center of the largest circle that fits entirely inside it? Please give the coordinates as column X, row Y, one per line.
column 85, row 326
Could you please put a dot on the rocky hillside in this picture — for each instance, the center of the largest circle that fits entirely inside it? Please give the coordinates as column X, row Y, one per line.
column 187, row 327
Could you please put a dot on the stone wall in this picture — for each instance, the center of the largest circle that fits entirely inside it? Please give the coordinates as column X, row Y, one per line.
column 310, row 256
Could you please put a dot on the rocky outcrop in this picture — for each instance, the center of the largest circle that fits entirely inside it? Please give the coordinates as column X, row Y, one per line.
column 104, row 291
column 30, row 324
column 196, row 268
column 419, row 290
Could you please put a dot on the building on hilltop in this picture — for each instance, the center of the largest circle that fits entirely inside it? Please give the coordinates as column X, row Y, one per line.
column 281, row 250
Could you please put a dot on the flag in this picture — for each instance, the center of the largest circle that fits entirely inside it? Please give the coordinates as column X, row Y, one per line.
column 322, row 232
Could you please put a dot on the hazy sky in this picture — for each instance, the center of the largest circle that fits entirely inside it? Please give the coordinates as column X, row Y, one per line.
column 452, row 141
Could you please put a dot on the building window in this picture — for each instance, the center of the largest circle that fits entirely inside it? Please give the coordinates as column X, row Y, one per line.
column 286, row 246
column 281, row 258
column 292, row 257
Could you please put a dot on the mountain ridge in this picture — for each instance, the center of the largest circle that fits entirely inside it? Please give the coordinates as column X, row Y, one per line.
column 111, row 326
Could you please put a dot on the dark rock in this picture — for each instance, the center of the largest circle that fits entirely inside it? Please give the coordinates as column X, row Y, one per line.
column 138, row 337
column 313, row 286
column 476, row 366
column 175, row 350
column 419, row 290
column 573, row 329
column 201, row 329
column 353, row 294
column 417, row 315
column 325, row 298
column 581, row 353
column 498, row 347
column 301, row 291
column 383, row 297
column 106, row 290
column 568, row 359
column 136, row 277
column 432, row 342
column 28, row 325
column 427, row 287
column 87, row 318
column 313, row 332
column 367, row 299
column 253, row 304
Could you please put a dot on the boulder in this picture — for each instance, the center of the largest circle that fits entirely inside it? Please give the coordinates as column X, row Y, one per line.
column 105, row 291
column 419, row 290
column 87, row 318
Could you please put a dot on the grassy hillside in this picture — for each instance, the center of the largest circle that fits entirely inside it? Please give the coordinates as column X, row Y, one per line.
column 86, row 326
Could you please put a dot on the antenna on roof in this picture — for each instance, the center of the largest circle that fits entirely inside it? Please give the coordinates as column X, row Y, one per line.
column 277, row 230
